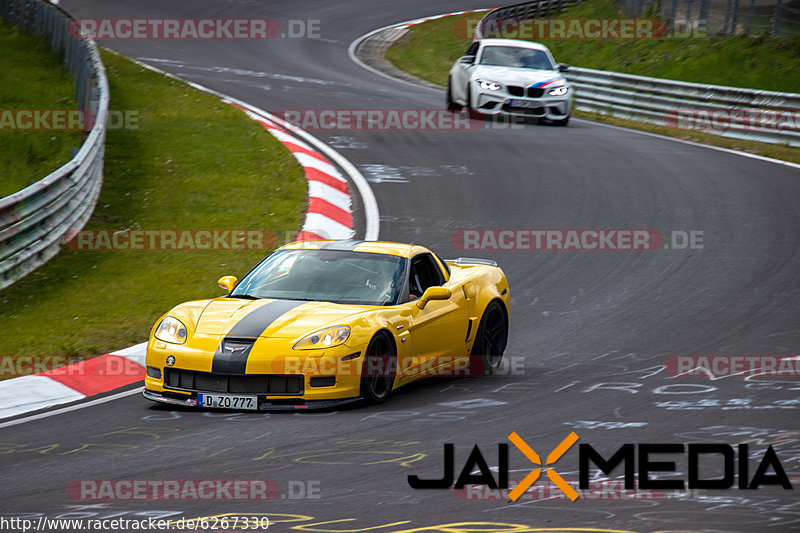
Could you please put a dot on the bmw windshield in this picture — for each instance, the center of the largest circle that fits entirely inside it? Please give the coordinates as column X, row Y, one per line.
column 326, row 275
column 515, row 56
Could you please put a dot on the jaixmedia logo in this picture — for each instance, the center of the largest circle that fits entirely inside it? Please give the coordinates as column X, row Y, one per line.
column 734, row 463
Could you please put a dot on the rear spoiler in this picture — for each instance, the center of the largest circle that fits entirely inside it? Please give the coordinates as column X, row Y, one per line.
column 471, row 261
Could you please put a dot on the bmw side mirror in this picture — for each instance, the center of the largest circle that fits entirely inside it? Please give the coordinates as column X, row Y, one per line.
column 563, row 67
column 467, row 60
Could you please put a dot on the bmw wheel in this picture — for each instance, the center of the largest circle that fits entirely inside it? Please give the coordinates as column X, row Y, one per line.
column 451, row 105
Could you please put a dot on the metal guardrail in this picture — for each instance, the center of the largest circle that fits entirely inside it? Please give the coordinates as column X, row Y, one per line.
column 664, row 102
column 35, row 220
column 667, row 102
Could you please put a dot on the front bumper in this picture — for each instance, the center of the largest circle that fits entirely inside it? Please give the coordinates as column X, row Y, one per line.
column 546, row 106
column 264, row 403
column 299, row 380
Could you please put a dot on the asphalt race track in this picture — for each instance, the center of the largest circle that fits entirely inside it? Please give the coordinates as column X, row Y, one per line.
column 590, row 331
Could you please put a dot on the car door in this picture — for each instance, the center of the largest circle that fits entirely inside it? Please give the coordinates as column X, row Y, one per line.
column 461, row 72
column 438, row 332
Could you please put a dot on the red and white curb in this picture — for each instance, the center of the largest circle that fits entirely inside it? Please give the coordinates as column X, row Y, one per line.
column 329, row 214
column 72, row 382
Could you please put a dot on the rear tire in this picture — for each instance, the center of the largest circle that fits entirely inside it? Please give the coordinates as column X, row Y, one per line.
column 379, row 369
column 491, row 337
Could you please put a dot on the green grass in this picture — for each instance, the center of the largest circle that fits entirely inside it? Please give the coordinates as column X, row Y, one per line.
column 429, row 50
column 34, row 77
column 755, row 62
column 194, row 163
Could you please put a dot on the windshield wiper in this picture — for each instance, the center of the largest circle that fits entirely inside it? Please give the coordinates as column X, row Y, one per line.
column 245, row 296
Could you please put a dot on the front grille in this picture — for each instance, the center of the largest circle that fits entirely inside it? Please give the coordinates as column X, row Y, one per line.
column 176, row 378
column 533, row 92
column 535, row 111
column 515, row 90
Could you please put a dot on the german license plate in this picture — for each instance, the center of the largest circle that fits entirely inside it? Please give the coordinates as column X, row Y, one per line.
column 523, row 103
column 228, row 401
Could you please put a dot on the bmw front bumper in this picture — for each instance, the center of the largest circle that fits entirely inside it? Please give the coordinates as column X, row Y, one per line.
column 546, row 106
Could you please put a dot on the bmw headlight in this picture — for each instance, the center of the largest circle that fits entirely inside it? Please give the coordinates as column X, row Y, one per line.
column 489, row 85
column 171, row 330
column 325, row 338
column 559, row 91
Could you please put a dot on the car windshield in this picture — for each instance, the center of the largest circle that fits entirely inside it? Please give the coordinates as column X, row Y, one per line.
column 326, row 275
column 515, row 56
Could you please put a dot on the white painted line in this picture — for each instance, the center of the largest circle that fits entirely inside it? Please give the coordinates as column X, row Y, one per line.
column 692, row 143
column 29, row 393
column 72, row 407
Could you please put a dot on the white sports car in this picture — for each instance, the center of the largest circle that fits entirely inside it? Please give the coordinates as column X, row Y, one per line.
column 513, row 77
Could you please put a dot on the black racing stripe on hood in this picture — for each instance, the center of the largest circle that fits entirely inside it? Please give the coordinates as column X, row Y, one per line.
column 233, row 351
column 345, row 246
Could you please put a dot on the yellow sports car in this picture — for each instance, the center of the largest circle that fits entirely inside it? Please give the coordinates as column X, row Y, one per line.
column 321, row 323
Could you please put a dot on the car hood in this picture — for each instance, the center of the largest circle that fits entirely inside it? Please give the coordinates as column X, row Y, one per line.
column 517, row 76
column 270, row 318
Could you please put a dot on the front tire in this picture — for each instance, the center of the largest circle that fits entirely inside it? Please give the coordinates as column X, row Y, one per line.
column 473, row 114
column 562, row 122
column 451, row 105
column 379, row 369
column 491, row 337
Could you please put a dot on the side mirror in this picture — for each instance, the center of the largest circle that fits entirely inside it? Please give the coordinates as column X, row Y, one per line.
column 227, row 282
column 467, row 60
column 563, row 67
column 433, row 293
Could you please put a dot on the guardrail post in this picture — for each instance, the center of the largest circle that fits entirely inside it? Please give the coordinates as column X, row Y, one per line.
column 703, row 19
column 750, row 14
column 776, row 19
column 735, row 19
column 726, row 24
column 673, row 14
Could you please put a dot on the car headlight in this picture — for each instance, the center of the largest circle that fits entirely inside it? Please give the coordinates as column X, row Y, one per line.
column 559, row 91
column 489, row 85
column 324, row 338
column 171, row 330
